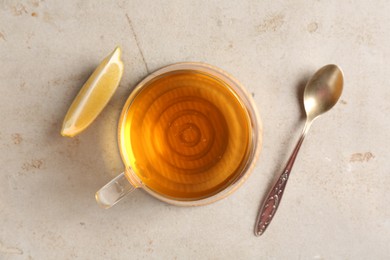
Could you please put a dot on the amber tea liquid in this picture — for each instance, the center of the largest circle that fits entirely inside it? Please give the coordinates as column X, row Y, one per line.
column 187, row 135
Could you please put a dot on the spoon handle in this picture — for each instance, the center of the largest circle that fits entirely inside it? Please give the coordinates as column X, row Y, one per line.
column 272, row 201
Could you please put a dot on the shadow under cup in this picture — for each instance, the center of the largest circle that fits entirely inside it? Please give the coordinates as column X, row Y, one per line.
column 189, row 134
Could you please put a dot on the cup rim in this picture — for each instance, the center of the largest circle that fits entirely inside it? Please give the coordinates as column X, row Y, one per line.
column 255, row 124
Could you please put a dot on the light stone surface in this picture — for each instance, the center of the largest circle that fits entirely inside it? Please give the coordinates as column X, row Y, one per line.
column 336, row 205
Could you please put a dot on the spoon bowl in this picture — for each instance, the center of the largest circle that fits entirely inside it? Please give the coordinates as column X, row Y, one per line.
column 323, row 90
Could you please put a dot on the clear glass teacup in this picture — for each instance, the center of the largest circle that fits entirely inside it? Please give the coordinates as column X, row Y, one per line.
column 189, row 134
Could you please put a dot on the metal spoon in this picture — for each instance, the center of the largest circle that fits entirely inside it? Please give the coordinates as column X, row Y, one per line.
column 321, row 94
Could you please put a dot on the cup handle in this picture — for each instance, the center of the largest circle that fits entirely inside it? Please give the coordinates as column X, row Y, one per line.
column 113, row 191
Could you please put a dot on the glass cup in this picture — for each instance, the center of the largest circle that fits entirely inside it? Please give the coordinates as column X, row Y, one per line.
column 129, row 180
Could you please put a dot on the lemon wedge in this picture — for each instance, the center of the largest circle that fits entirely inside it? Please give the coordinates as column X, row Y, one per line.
column 94, row 95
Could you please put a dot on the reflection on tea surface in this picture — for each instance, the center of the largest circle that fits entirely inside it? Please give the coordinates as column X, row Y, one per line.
column 187, row 135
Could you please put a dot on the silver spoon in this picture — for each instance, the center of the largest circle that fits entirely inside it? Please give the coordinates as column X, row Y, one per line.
column 321, row 93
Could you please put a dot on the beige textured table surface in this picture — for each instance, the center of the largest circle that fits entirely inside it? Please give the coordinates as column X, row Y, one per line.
column 336, row 205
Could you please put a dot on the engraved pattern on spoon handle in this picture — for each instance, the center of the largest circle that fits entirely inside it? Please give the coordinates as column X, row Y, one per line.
column 271, row 204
